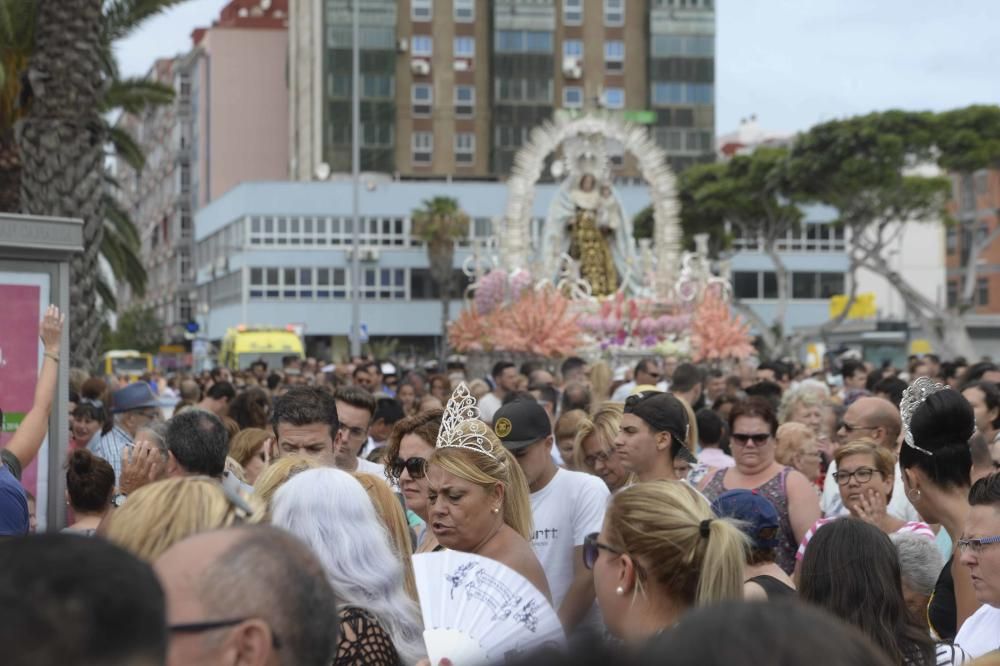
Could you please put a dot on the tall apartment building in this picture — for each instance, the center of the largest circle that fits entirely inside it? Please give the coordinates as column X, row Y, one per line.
column 228, row 124
column 452, row 88
column 976, row 206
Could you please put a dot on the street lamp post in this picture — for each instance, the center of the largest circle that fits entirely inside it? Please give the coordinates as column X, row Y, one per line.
column 355, row 178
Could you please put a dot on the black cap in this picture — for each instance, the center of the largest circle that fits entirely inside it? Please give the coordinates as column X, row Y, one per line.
column 521, row 423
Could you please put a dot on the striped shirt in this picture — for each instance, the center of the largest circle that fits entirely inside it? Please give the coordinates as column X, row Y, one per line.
column 110, row 448
column 914, row 527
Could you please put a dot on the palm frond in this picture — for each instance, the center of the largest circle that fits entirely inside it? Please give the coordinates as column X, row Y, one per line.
column 120, row 222
column 121, row 17
column 126, row 147
column 106, row 294
column 124, row 261
column 134, row 94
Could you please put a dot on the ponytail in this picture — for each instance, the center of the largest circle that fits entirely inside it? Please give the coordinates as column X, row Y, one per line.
column 721, row 576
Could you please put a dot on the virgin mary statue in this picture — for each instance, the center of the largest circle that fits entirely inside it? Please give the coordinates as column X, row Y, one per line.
column 589, row 232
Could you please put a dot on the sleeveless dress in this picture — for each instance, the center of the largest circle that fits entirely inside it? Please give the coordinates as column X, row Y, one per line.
column 776, row 491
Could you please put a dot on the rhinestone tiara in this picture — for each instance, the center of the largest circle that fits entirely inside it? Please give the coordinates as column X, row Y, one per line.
column 914, row 396
column 461, row 427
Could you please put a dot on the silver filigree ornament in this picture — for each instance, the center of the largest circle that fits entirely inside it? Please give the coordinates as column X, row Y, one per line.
column 461, row 427
column 914, row 396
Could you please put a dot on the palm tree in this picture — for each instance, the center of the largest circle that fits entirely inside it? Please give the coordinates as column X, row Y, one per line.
column 439, row 224
column 58, row 112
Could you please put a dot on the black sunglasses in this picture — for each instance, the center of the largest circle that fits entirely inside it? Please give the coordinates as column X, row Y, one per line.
column 200, row 627
column 592, row 548
column 757, row 437
column 417, row 467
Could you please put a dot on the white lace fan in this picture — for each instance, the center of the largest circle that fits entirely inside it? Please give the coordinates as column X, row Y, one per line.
column 478, row 611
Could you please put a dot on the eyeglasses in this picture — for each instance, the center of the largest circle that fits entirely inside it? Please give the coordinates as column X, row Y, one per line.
column 976, row 545
column 862, row 474
column 417, row 467
column 200, row 627
column 758, row 438
column 603, row 456
column 592, row 548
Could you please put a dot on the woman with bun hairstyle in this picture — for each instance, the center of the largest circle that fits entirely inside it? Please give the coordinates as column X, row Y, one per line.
column 90, row 482
column 936, row 462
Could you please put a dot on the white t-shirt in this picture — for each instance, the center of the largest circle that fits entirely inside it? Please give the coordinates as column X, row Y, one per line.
column 488, row 406
column 899, row 506
column 366, row 466
column 980, row 634
column 565, row 511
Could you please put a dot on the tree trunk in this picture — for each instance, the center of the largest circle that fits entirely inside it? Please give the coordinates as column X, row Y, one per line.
column 441, row 254
column 10, row 174
column 61, row 142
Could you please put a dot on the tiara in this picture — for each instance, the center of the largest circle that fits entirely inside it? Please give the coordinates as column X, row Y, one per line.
column 461, row 427
column 914, row 396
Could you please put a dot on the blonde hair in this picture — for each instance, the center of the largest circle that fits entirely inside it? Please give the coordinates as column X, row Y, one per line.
column 692, row 431
column 487, row 472
column 603, row 424
column 390, row 511
column 885, row 460
column 277, row 473
column 568, row 423
column 247, row 443
column 157, row 516
column 791, row 440
column 803, row 395
column 659, row 525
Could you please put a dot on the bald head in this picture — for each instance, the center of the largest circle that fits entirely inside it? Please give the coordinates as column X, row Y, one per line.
column 873, row 418
column 260, row 573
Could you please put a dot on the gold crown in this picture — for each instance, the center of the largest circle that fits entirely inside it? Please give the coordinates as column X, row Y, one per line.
column 461, row 427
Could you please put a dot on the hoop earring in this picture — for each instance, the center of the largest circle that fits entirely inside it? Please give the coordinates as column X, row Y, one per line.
column 913, row 498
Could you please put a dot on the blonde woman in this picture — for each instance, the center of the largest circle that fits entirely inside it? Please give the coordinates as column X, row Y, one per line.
column 600, row 384
column 798, row 448
column 160, row 514
column 277, row 473
column 390, row 511
column 803, row 405
column 252, row 449
column 594, row 446
column 662, row 552
column 477, row 494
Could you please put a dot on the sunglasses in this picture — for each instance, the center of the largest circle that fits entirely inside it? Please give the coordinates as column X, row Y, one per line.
column 758, row 438
column 201, row 627
column 417, row 467
column 592, row 548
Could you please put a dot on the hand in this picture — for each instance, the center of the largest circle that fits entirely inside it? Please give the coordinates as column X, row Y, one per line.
column 141, row 464
column 871, row 508
column 51, row 329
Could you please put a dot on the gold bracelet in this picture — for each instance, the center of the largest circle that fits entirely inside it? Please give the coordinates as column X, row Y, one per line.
column 54, row 357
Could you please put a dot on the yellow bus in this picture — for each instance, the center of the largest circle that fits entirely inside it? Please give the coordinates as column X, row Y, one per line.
column 244, row 345
column 127, row 363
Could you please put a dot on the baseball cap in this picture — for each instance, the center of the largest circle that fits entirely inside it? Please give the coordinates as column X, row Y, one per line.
column 758, row 515
column 521, row 423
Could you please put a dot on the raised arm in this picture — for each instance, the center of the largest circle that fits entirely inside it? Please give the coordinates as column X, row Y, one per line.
column 31, row 433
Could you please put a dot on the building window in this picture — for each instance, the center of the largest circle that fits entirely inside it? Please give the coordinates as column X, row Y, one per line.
column 375, row 86
column 668, row 92
column 672, row 46
column 952, row 293
column 523, row 41
column 572, row 12
column 383, row 284
column 423, row 147
column 465, row 11
column 422, row 45
column 982, row 291
column 465, row 47
column 614, row 56
column 422, row 98
column 421, row 10
column 465, row 148
column 746, row 284
column 951, row 239
column 614, row 12
column 572, row 48
column 572, row 97
column 614, row 98
column 465, row 101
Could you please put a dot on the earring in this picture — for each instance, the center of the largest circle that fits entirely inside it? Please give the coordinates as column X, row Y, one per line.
column 910, row 495
column 620, row 591
column 496, row 510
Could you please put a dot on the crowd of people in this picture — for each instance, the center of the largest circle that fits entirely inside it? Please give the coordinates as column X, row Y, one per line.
column 667, row 511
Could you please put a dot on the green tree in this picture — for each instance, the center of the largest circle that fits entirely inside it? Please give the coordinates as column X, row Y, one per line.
column 58, row 84
column 440, row 223
column 138, row 328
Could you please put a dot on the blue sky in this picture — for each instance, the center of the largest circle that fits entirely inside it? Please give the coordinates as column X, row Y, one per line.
column 793, row 63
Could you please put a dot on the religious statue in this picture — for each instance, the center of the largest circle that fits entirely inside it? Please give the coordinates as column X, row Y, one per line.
column 594, row 221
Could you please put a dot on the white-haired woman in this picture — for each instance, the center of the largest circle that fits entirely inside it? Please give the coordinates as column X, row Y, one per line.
column 329, row 510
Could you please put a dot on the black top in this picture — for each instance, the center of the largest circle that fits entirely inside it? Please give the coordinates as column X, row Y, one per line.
column 363, row 641
column 774, row 588
column 942, row 613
